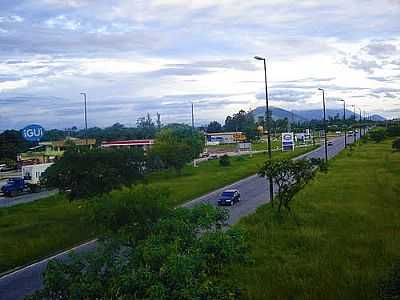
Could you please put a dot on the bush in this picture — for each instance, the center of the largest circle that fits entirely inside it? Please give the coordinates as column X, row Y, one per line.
column 93, row 172
column 183, row 257
column 320, row 163
column 224, row 161
column 377, row 134
column 393, row 130
column 129, row 214
column 396, row 144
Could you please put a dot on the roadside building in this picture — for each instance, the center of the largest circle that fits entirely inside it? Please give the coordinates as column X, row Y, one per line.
column 48, row 152
column 225, row 138
column 144, row 144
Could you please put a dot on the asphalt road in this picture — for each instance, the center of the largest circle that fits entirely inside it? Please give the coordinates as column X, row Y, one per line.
column 254, row 193
column 25, row 198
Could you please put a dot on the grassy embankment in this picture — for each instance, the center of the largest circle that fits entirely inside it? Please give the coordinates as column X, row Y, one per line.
column 35, row 230
column 348, row 238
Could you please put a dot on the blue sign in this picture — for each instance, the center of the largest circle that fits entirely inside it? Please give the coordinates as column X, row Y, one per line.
column 33, row 133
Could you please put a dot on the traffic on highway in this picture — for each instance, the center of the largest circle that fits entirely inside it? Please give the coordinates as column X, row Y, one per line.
column 249, row 193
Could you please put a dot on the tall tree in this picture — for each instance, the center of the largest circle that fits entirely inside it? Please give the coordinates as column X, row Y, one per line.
column 171, row 150
column 214, row 126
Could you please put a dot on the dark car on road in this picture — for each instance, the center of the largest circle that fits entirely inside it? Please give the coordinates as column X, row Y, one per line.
column 229, row 197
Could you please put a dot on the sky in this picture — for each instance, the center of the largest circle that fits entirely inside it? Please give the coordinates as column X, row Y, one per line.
column 138, row 57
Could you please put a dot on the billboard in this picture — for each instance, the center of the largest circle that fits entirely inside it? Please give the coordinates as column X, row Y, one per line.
column 287, row 141
column 32, row 133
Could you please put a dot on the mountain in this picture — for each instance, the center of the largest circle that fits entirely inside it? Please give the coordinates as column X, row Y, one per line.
column 377, row 118
column 278, row 113
column 307, row 115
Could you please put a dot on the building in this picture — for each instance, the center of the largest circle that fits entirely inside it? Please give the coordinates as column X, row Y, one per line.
column 144, row 144
column 225, row 138
column 60, row 146
column 48, row 152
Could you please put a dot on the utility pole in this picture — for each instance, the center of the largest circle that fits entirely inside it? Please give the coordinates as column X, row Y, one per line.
column 268, row 121
column 325, row 127
column 86, row 137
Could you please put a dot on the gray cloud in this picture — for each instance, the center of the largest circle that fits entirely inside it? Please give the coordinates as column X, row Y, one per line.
column 381, row 50
column 245, row 65
column 286, row 95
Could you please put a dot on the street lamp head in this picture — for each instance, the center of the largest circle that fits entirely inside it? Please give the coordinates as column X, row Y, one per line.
column 341, row 100
column 320, row 89
column 259, row 58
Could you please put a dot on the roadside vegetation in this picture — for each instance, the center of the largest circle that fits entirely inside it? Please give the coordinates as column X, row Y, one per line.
column 347, row 243
column 179, row 255
column 35, row 230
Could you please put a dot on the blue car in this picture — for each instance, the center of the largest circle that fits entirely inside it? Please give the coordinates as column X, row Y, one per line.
column 229, row 197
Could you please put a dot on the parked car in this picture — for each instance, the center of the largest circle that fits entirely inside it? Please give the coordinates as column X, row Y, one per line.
column 214, row 156
column 229, row 197
column 204, row 154
column 330, row 143
column 5, row 168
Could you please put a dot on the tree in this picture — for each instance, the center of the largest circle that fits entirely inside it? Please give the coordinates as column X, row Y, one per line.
column 92, row 172
column 396, row 144
column 146, row 127
column 377, row 134
column 290, row 176
column 393, row 130
column 171, row 150
column 214, row 126
column 182, row 257
column 243, row 122
column 11, row 144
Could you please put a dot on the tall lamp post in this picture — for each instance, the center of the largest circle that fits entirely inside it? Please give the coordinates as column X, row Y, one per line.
column 325, row 127
column 354, row 115
column 86, row 137
column 344, row 120
column 268, row 121
column 193, row 152
column 360, row 123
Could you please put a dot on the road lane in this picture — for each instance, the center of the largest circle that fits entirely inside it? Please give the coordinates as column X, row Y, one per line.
column 254, row 192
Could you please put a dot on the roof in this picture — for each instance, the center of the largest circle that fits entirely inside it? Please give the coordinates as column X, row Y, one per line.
column 224, row 133
column 230, row 191
column 127, row 143
column 78, row 142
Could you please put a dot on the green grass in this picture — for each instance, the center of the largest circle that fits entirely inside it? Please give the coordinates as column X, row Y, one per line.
column 209, row 176
column 348, row 238
column 33, row 230
column 38, row 229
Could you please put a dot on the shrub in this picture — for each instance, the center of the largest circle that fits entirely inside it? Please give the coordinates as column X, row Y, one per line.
column 129, row 214
column 320, row 163
column 396, row 144
column 224, row 161
column 377, row 134
column 393, row 130
column 182, row 258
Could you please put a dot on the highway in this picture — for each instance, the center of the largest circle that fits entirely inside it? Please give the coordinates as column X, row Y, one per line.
column 254, row 193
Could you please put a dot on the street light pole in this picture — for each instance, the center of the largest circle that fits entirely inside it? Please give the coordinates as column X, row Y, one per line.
column 344, row 120
column 325, row 127
column 354, row 131
column 268, row 122
column 193, row 152
column 86, row 137
column 360, row 123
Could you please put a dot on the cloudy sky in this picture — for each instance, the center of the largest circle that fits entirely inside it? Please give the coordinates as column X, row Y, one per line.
column 134, row 57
